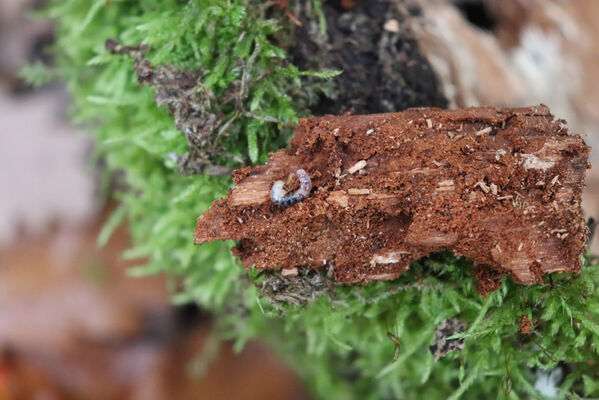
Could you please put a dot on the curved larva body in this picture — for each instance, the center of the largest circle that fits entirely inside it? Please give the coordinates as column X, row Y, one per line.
column 279, row 196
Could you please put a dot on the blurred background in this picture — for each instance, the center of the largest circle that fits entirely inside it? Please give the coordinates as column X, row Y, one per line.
column 74, row 326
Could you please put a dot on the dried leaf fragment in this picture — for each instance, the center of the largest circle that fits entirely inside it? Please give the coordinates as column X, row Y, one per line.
column 442, row 345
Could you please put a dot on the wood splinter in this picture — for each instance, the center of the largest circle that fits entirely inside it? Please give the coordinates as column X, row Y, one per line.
column 465, row 180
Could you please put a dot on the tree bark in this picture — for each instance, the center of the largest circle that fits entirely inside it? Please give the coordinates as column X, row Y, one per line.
column 501, row 187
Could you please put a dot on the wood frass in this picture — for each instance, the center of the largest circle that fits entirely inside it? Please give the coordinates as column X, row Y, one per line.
column 501, row 187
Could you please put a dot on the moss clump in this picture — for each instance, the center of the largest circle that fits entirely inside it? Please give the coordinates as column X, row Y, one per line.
column 363, row 342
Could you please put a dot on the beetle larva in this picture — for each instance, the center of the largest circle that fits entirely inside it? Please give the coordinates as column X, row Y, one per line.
column 279, row 196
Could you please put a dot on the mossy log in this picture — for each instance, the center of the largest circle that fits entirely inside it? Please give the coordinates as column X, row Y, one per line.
column 501, row 187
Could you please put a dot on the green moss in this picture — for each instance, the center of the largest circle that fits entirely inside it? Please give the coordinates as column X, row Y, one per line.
column 339, row 343
column 347, row 349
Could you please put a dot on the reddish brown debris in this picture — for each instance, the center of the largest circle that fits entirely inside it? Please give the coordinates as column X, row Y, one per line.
column 488, row 279
column 501, row 187
column 525, row 325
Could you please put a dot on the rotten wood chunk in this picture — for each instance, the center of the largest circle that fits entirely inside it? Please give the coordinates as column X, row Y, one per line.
column 501, row 187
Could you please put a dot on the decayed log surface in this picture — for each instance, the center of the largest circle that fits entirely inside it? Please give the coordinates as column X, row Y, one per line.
column 501, row 187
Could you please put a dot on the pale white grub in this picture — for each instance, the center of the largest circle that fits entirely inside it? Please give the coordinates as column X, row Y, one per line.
column 429, row 123
column 357, row 166
column 279, row 196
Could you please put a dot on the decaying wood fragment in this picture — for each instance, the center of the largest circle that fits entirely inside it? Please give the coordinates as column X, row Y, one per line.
column 423, row 180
